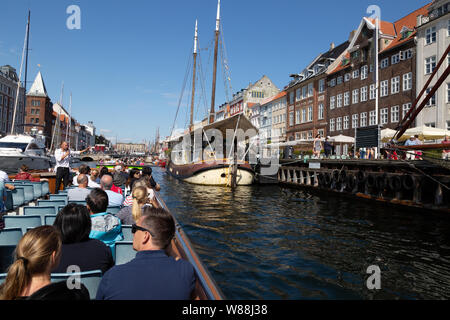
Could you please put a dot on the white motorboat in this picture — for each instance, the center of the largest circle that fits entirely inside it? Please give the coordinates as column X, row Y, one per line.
column 17, row 150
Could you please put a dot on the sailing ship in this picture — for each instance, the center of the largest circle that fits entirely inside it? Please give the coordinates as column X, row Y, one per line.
column 201, row 163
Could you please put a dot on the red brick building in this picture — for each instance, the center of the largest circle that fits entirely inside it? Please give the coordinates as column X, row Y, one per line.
column 39, row 109
column 307, row 96
column 351, row 85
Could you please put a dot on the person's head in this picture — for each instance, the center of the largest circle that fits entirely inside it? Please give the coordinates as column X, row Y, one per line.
column 159, row 230
column 82, row 180
column 64, row 145
column 135, row 173
column 416, row 137
column 140, row 197
column 142, row 182
column 94, row 174
column 412, row 138
column 36, row 254
column 118, row 168
column 446, row 138
column 106, row 182
column 103, row 171
column 318, row 136
column 84, row 169
column 74, row 223
column 97, row 201
column 146, row 171
column 23, row 168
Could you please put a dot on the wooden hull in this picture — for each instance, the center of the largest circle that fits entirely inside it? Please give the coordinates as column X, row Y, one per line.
column 212, row 173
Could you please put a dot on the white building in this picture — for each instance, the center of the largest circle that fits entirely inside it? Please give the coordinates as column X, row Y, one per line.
column 433, row 38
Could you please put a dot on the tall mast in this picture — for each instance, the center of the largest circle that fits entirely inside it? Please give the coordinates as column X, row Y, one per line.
column 70, row 120
column 26, row 66
column 213, row 95
column 25, row 47
column 193, row 77
column 56, row 128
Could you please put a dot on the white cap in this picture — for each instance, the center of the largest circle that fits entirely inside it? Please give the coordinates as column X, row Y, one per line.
column 118, row 168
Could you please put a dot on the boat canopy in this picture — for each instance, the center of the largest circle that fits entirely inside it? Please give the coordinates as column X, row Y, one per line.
column 240, row 121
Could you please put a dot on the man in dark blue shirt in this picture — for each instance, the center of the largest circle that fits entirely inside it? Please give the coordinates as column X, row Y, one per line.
column 152, row 275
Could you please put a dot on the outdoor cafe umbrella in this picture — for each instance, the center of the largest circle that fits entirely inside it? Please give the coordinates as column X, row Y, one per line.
column 342, row 139
column 425, row 133
column 387, row 134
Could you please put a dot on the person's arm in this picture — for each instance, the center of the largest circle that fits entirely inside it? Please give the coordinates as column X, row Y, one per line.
column 9, row 186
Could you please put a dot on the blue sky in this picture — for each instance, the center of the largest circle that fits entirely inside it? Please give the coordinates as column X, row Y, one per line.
column 126, row 65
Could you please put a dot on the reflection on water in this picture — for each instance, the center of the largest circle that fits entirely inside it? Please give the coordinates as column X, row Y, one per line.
column 266, row 242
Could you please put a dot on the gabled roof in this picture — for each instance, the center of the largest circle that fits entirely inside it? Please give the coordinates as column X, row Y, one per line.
column 38, row 87
column 268, row 100
column 409, row 22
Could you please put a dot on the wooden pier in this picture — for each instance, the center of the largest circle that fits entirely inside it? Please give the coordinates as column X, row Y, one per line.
column 419, row 184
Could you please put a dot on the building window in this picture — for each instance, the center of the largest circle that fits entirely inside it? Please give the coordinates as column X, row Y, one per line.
column 356, row 74
column 333, row 82
column 291, row 118
column 354, row 121
column 372, row 93
column 430, row 35
column 310, row 113
column 346, row 122
column 339, row 124
column 35, row 103
column 321, row 132
column 432, row 101
column 364, row 72
column 364, row 94
column 430, row 64
column 332, row 102
column 405, row 109
column 395, row 112
column 321, row 85
column 395, row 85
column 355, row 96
column 339, row 100
column 291, row 97
column 346, row 98
column 303, row 115
column 297, row 136
column 448, row 92
column 430, row 125
column 384, row 116
column 304, row 135
column 331, row 125
column 363, row 120
column 384, row 63
column 297, row 117
column 407, row 54
column 384, row 88
column 310, row 135
column 407, row 81
column 339, row 80
column 395, row 58
column 298, row 94
column 371, row 68
column 320, row 112
column 372, row 118
column 304, row 92
column 310, row 90
column 347, row 77
column 32, row 111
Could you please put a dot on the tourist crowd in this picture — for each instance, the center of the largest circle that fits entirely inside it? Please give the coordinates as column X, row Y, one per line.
column 85, row 236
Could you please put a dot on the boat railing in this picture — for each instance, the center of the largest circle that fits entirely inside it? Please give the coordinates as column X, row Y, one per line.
column 207, row 288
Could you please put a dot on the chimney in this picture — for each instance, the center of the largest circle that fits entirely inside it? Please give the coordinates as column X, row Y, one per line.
column 332, row 46
column 352, row 34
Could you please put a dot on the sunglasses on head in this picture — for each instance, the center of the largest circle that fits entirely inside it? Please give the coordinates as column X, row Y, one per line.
column 135, row 228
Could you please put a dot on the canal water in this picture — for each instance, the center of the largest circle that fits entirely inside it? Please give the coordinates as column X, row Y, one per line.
column 267, row 242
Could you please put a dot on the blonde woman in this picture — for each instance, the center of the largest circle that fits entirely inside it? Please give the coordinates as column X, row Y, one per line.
column 129, row 215
column 37, row 253
column 142, row 182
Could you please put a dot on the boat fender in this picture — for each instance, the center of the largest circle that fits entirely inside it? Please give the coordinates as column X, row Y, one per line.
column 395, row 183
column 409, row 182
column 361, row 176
column 370, row 181
column 327, row 179
column 351, row 182
column 343, row 175
column 381, row 182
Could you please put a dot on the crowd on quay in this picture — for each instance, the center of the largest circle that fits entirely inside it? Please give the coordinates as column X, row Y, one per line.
column 124, row 161
column 85, row 236
column 326, row 148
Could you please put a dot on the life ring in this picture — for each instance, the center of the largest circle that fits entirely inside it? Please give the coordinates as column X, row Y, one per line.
column 408, row 182
column 395, row 183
